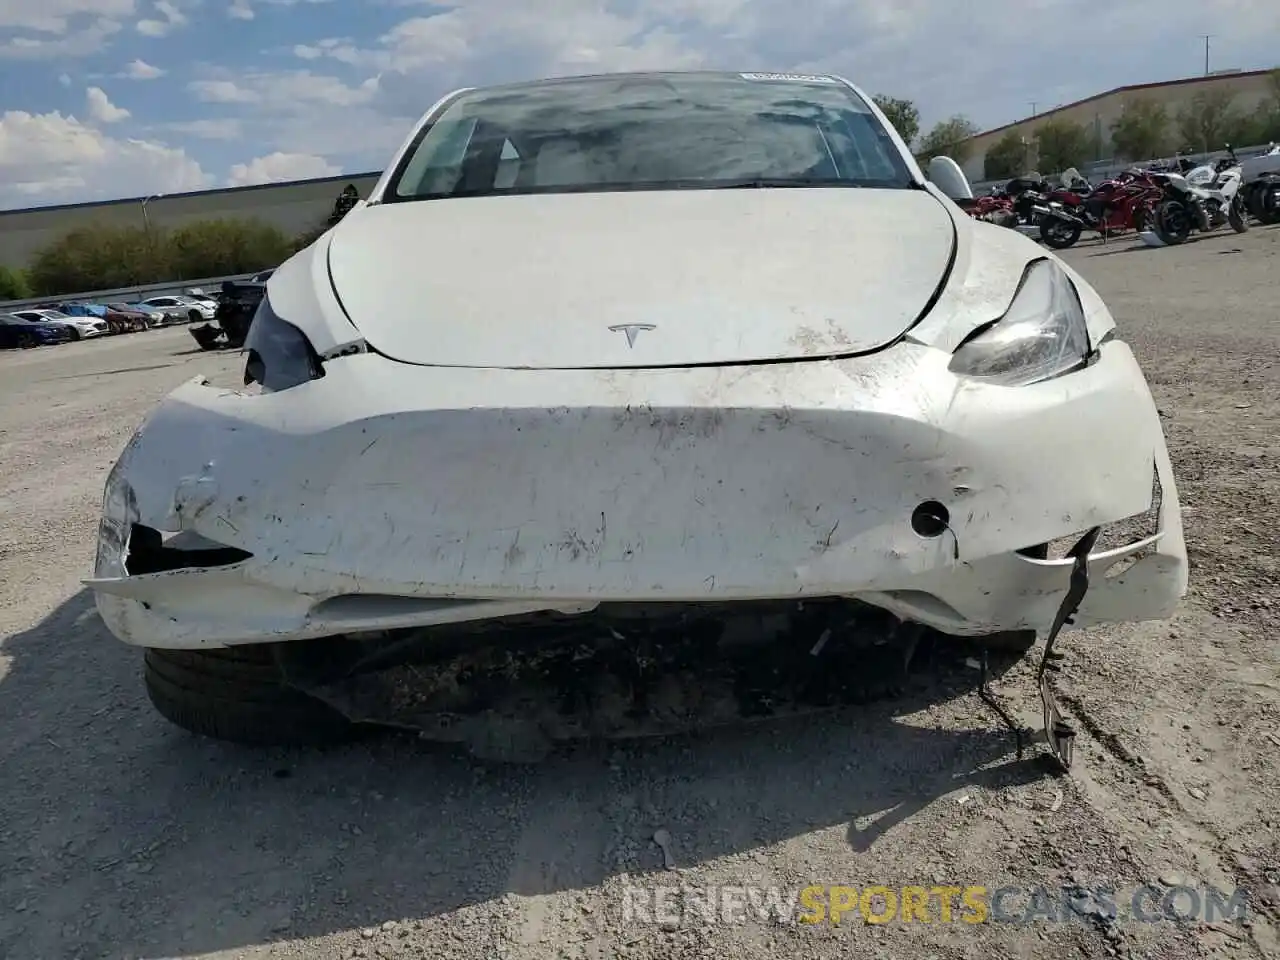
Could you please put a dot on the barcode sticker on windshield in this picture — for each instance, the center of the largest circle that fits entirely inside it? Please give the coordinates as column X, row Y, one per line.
column 794, row 77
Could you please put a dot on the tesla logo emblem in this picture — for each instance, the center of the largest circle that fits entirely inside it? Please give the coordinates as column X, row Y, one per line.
column 632, row 330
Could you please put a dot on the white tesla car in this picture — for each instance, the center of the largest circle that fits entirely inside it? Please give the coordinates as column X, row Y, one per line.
column 696, row 356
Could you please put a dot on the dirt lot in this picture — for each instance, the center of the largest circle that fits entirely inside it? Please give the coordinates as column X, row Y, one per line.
column 123, row 837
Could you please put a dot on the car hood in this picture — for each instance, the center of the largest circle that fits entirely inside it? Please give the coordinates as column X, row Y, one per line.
column 638, row 279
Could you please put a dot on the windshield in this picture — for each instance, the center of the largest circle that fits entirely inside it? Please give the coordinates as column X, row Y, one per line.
column 650, row 131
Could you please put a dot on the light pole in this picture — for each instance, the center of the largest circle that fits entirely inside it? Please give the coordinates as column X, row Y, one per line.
column 146, row 226
column 146, row 220
column 1206, row 37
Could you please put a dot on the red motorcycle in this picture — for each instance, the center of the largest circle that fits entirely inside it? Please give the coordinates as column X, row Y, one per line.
column 1125, row 202
column 994, row 208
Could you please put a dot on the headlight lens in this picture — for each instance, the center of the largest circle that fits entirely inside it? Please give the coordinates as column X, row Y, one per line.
column 280, row 356
column 1043, row 334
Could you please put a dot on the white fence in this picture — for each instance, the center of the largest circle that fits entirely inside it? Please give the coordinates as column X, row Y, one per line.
column 145, row 291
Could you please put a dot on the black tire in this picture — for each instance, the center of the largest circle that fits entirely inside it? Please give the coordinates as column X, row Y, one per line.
column 194, row 316
column 1173, row 222
column 1236, row 215
column 1059, row 233
column 26, row 341
column 75, row 334
column 237, row 694
column 1269, row 205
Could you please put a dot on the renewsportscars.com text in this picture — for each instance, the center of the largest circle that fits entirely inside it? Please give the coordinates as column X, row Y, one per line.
column 969, row 904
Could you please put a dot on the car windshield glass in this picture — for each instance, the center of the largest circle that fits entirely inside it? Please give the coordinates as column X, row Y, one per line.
column 650, row 132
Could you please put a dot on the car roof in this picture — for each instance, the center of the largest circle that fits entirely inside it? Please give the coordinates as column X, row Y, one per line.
column 658, row 76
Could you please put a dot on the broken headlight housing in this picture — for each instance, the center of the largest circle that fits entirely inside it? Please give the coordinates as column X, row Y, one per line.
column 1042, row 335
column 279, row 354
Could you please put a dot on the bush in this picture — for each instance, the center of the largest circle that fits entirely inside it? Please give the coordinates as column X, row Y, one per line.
column 98, row 257
column 304, row 240
column 1006, row 159
column 13, row 284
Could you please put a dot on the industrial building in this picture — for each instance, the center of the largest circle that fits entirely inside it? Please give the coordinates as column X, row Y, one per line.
column 294, row 207
column 1249, row 90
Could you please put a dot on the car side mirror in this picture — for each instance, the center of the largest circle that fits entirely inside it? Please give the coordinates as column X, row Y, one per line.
column 946, row 175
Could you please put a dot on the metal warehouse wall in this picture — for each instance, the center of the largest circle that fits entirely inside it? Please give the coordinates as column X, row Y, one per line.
column 1250, row 92
column 293, row 207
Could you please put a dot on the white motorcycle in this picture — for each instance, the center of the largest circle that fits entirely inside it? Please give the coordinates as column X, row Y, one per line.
column 1203, row 199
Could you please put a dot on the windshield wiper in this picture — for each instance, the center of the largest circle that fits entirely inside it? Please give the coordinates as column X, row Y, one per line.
column 763, row 183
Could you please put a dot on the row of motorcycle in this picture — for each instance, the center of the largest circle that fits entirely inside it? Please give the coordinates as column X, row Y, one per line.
column 1166, row 201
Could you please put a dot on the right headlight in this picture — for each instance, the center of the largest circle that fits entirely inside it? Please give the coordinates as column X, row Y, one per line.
column 1042, row 335
column 279, row 354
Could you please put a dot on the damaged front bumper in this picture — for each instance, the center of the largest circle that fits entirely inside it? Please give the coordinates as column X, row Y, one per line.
column 385, row 496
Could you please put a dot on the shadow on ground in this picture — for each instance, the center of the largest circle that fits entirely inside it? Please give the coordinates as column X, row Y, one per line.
column 124, row 836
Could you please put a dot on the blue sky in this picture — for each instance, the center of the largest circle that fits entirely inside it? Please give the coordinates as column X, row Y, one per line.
column 112, row 98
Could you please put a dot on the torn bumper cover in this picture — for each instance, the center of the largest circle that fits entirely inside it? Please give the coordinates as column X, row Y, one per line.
column 385, row 495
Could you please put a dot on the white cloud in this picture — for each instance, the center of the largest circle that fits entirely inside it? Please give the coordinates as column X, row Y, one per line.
column 172, row 18
column 227, row 128
column 221, row 91
column 240, row 10
column 342, row 50
column 51, row 158
column 141, row 70
column 101, row 109
column 87, row 37
column 55, row 16
column 281, row 167
column 285, row 92
column 64, row 79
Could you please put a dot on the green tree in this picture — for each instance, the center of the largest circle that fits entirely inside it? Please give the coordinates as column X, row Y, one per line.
column 214, row 248
column 304, row 240
column 902, row 114
column 1007, row 158
column 13, row 284
column 99, row 256
column 1141, row 132
column 949, row 138
column 1061, row 144
column 1207, row 120
column 1263, row 125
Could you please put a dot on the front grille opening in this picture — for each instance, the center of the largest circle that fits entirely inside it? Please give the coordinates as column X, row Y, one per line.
column 1113, row 536
column 149, row 552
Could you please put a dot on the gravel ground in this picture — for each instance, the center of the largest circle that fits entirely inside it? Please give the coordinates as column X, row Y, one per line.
column 124, row 837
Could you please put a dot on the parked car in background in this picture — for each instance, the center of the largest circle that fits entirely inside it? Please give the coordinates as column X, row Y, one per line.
column 262, row 277
column 157, row 316
column 115, row 322
column 236, row 307
column 186, row 308
column 16, row 331
column 198, row 294
column 83, row 327
column 123, row 313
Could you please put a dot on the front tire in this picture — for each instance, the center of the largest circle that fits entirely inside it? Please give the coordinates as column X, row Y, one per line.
column 1058, row 233
column 238, row 694
column 1172, row 222
column 1236, row 215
